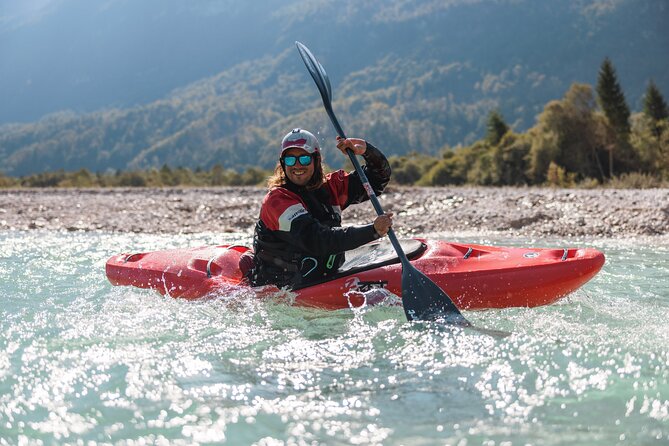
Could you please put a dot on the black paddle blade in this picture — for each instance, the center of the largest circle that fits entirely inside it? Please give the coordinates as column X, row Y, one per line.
column 317, row 72
column 322, row 81
column 423, row 300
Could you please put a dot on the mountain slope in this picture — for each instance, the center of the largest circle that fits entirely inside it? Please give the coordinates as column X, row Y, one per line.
column 408, row 75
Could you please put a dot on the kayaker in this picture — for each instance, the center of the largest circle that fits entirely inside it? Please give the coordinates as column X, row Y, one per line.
column 298, row 237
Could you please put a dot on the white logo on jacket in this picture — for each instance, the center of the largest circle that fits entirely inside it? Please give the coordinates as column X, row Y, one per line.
column 290, row 214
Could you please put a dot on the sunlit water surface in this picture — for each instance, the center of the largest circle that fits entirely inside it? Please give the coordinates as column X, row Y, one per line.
column 83, row 362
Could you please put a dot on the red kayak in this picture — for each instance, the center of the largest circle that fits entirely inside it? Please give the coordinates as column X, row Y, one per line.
column 474, row 276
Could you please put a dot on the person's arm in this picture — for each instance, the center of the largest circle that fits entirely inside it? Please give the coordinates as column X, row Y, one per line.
column 311, row 236
column 376, row 168
column 285, row 214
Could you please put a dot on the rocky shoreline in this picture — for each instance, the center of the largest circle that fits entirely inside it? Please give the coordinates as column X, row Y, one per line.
column 518, row 211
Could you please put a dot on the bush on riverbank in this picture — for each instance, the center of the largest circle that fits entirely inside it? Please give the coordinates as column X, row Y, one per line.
column 164, row 177
column 439, row 175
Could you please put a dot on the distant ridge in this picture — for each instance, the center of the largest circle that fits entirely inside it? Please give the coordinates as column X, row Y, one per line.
column 416, row 75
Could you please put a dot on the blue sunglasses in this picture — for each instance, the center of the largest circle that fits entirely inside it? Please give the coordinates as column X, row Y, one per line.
column 291, row 160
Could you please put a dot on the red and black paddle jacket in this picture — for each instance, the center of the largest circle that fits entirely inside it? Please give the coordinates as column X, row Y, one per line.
column 299, row 238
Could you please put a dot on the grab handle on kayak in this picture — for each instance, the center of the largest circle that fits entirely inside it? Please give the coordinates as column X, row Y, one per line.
column 209, row 267
column 217, row 256
column 131, row 257
column 469, row 252
column 564, row 254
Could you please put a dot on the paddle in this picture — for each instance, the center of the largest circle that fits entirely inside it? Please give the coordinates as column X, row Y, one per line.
column 423, row 300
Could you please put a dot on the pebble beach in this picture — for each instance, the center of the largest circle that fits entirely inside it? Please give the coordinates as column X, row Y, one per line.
column 513, row 211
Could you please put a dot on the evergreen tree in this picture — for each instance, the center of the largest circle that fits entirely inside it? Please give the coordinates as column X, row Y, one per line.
column 612, row 99
column 654, row 105
column 496, row 128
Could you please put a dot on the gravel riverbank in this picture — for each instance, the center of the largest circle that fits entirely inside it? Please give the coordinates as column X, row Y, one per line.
column 521, row 211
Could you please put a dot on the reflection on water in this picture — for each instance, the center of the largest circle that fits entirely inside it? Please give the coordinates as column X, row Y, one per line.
column 82, row 360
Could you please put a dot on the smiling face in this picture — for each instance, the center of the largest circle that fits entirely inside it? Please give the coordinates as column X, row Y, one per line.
column 299, row 174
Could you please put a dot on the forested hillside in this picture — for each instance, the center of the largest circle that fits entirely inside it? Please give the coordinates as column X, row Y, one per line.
column 407, row 75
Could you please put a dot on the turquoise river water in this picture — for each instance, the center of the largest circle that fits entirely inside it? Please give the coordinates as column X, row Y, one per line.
column 83, row 362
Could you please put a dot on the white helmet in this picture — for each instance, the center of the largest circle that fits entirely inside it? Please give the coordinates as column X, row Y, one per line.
column 301, row 139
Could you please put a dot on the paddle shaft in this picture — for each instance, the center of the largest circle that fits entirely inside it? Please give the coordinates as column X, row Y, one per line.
column 421, row 297
column 368, row 187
